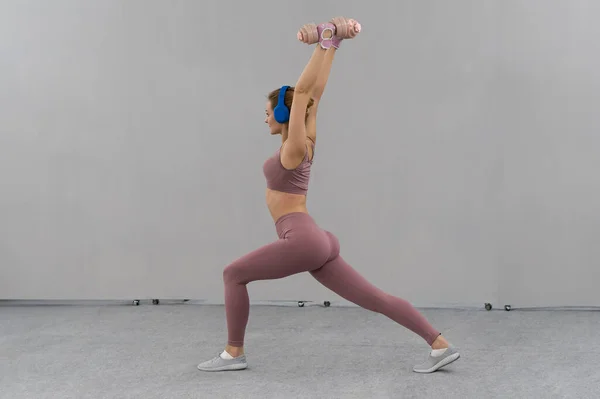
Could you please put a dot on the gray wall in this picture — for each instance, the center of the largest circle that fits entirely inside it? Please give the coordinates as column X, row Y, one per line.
column 458, row 158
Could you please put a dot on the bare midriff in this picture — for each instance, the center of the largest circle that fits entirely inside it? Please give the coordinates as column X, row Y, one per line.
column 280, row 203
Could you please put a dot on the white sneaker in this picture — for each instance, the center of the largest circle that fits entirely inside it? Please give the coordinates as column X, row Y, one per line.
column 434, row 363
column 220, row 364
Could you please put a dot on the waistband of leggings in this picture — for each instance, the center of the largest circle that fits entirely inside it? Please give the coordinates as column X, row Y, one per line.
column 293, row 215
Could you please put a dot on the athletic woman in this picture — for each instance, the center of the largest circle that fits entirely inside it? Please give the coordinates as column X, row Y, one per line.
column 302, row 245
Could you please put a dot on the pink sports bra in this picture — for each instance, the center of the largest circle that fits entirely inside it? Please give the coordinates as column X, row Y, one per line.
column 294, row 181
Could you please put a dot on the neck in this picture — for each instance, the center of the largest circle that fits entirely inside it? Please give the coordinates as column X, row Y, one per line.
column 284, row 134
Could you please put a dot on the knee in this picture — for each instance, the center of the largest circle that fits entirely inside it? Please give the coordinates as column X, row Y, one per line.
column 376, row 301
column 380, row 301
column 230, row 274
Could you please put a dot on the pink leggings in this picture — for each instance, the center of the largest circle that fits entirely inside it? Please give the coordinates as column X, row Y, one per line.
column 304, row 247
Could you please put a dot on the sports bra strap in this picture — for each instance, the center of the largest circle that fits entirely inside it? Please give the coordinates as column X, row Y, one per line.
column 313, row 150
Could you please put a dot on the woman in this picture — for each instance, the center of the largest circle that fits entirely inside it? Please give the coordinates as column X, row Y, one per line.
column 303, row 246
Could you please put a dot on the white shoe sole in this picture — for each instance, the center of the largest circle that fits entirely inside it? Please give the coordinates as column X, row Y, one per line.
column 444, row 362
column 231, row 367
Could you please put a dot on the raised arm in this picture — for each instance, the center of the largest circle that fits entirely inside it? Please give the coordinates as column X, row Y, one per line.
column 311, row 84
column 311, row 120
column 294, row 148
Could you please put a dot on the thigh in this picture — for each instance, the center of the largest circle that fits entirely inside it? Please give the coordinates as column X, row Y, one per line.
column 272, row 261
column 344, row 280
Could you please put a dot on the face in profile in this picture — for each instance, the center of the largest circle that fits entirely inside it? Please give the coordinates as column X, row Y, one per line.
column 274, row 126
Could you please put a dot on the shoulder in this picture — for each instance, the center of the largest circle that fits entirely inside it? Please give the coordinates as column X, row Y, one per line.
column 292, row 162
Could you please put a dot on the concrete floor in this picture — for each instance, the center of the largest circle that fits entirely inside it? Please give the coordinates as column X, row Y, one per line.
column 312, row 352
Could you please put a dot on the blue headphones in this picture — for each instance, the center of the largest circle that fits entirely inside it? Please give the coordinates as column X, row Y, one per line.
column 281, row 112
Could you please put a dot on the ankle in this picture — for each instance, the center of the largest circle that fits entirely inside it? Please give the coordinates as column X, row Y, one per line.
column 234, row 351
column 439, row 343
